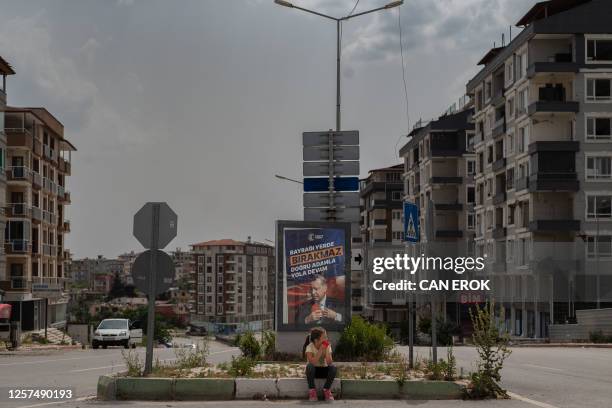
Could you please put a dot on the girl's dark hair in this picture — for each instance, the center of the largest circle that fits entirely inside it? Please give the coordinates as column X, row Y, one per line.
column 314, row 334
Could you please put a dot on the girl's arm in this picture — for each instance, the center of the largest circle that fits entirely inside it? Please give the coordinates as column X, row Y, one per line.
column 328, row 356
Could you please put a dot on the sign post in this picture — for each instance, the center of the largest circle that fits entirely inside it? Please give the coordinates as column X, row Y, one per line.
column 411, row 235
column 154, row 227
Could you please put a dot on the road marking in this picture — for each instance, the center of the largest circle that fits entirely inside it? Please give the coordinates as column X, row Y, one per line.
column 51, row 361
column 530, row 401
column 60, row 402
column 544, row 367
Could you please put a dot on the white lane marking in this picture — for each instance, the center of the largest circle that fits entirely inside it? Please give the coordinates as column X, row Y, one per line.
column 51, row 361
column 59, row 402
column 544, row 367
column 530, row 401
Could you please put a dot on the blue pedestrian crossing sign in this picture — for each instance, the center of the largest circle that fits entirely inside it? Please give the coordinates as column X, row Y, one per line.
column 411, row 222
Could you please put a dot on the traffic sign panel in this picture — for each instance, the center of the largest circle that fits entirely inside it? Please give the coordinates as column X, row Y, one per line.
column 145, row 231
column 344, row 168
column 315, row 184
column 350, row 199
column 164, row 273
column 314, row 153
column 411, row 222
column 348, row 214
column 345, row 137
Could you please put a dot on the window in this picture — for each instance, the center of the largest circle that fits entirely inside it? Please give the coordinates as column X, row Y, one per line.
column 487, row 90
column 510, row 178
column 490, row 154
column 471, row 167
column 471, row 195
column 398, row 235
column 599, row 89
column 599, row 168
column 510, row 108
column 471, row 221
column 510, row 145
column 599, row 128
column 511, row 214
column 523, row 140
column 599, row 246
column 599, row 50
column 521, row 65
column 509, row 72
column 469, row 141
column 598, row 206
column 509, row 250
column 396, row 214
column 522, row 102
column 396, row 195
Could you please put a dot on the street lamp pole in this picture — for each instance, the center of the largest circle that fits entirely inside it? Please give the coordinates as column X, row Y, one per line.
column 338, row 45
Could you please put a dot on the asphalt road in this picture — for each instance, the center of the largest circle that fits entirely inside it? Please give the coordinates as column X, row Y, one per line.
column 536, row 377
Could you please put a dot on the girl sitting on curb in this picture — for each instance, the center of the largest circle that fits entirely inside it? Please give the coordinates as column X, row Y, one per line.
column 318, row 353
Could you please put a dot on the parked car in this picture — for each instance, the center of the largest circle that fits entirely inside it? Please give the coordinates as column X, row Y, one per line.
column 117, row 332
column 196, row 331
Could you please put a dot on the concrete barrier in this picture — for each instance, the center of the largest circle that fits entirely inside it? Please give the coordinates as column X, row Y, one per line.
column 389, row 389
column 256, row 388
column 297, row 388
column 106, row 389
column 203, row 389
column 144, row 388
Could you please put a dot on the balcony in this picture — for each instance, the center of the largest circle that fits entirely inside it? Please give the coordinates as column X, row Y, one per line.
column 60, row 192
column 500, row 128
column 449, row 234
column 66, row 198
column 445, row 180
column 17, row 246
column 18, row 137
column 448, row 207
column 562, row 63
column 49, row 153
column 499, row 232
column 66, row 226
column 49, row 217
column 554, row 182
column 499, row 164
column 36, row 214
column 36, row 180
column 37, row 148
column 498, row 98
column 64, row 166
column 18, row 173
column 554, row 226
column 522, row 184
column 19, row 210
column 553, row 107
column 499, row 198
column 16, row 285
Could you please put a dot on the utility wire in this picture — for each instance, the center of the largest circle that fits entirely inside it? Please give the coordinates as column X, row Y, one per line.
column 354, row 7
column 401, row 44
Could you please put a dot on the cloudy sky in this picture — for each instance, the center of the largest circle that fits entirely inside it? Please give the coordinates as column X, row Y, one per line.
column 200, row 102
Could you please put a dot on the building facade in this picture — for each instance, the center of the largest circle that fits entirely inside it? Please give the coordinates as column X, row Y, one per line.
column 234, row 285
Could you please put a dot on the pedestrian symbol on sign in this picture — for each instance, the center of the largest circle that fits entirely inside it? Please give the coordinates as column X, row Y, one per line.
column 411, row 222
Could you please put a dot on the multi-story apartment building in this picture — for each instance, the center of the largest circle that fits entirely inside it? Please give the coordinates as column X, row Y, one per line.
column 127, row 259
column 38, row 163
column 543, row 178
column 97, row 274
column 234, row 288
column 381, row 225
column 5, row 71
column 438, row 176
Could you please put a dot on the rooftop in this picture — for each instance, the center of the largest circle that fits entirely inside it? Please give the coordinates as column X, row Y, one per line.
column 5, row 67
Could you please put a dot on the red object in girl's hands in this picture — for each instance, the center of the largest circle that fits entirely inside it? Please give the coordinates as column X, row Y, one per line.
column 325, row 343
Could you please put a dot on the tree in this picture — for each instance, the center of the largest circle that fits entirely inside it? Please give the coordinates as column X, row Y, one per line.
column 117, row 289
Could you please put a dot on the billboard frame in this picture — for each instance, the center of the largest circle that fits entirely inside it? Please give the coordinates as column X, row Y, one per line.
column 281, row 225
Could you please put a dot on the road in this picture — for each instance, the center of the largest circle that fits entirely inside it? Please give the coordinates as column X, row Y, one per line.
column 559, row 377
column 537, row 377
column 79, row 369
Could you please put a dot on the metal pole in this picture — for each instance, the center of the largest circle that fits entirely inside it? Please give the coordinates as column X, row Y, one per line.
column 338, row 45
column 152, row 281
column 434, row 337
column 597, row 258
column 332, row 206
column 410, row 332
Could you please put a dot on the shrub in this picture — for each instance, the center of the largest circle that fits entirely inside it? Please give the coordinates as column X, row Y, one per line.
column 598, row 336
column 361, row 340
column 249, row 346
column 444, row 330
column 492, row 350
column 133, row 362
column 191, row 358
column 268, row 344
column 451, row 365
column 241, row 366
column 237, row 340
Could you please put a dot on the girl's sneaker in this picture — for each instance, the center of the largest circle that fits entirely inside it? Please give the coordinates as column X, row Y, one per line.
column 328, row 395
column 312, row 395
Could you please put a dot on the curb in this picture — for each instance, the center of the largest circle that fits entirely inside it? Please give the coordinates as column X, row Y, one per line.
column 565, row 345
column 222, row 389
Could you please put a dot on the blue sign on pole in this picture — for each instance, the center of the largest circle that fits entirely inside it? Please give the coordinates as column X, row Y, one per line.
column 411, row 222
column 319, row 184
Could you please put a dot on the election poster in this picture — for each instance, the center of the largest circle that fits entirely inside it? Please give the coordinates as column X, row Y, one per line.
column 314, row 283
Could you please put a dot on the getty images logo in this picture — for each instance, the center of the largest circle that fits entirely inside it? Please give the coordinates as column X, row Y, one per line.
column 313, row 237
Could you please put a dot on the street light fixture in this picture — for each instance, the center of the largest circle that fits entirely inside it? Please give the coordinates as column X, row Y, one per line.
column 278, row 176
column 338, row 21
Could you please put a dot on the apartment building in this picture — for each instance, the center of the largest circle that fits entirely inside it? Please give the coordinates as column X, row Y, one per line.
column 438, row 176
column 381, row 225
column 38, row 164
column 234, row 285
column 5, row 71
column 543, row 178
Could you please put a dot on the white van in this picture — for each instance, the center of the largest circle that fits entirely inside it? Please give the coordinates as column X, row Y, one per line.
column 117, row 332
